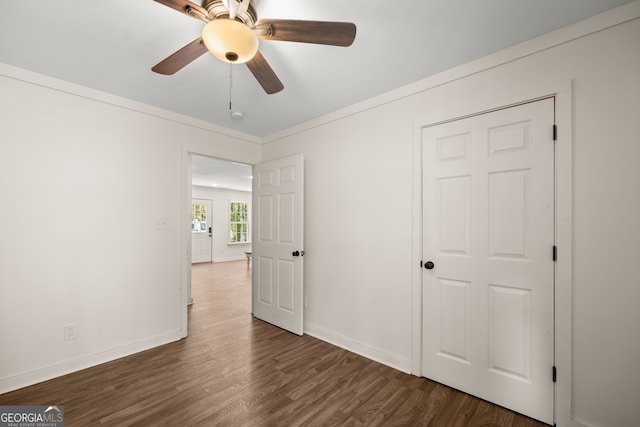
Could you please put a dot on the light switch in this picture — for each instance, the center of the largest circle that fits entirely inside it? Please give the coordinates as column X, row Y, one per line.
column 161, row 224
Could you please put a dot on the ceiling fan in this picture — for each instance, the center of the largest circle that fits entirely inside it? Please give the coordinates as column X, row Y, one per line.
column 232, row 32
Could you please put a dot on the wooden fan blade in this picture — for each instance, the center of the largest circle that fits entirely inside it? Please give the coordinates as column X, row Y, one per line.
column 184, row 6
column 265, row 75
column 181, row 58
column 318, row 32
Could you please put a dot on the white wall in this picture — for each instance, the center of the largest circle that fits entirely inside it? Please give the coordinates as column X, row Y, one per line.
column 221, row 249
column 69, row 155
column 83, row 178
column 359, row 214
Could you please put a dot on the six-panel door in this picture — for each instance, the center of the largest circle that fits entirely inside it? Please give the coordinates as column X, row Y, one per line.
column 277, row 237
column 488, row 206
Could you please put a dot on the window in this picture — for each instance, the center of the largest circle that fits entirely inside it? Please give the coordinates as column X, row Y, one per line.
column 239, row 222
column 198, row 217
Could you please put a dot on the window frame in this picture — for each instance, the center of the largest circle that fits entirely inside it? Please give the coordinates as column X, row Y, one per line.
column 246, row 222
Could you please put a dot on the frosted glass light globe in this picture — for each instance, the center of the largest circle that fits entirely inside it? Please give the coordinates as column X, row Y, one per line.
column 230, row 40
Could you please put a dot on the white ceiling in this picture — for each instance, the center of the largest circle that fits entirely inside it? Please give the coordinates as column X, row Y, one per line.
column 112, row 45
column 208, row 172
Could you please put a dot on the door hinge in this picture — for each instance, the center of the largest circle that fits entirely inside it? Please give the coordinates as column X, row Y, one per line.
column 555, row 253
column 555, row 132
column 554, row 374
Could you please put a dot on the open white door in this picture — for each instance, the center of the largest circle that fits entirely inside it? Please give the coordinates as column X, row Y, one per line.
column 277, row 292
column 488, row 241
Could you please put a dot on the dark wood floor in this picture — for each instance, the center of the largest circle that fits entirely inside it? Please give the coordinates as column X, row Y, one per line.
column 234, row 370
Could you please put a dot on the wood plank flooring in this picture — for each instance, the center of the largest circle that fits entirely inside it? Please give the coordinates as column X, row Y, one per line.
column 234, row 370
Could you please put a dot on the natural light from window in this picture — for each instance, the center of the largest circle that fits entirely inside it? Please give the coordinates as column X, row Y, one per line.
column 238, row 222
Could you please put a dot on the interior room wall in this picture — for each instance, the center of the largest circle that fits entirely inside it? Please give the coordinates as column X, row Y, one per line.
column 358, row 204
column 222, row 250
column 87, row 181
column 91, row 189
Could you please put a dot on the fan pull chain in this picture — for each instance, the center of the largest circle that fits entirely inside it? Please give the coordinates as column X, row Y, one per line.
column 236, row 115
column 230, row 85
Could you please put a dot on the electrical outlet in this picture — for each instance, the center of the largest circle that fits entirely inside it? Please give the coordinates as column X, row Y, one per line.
column 70, row 331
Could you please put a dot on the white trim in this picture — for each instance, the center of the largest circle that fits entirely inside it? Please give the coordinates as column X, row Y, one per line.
column 184, row 255
column 594, row 24
column 49, row 372
column 231, row 259
column 204, row 187
column 416, row 276
column 564, row 239
column 360, row 348
column 563, row 288
column 52, row 83
column 577, row 422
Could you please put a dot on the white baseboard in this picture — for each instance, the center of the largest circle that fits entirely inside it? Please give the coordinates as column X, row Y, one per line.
column 229, row 259
column 238, row 258
column 578, row 422
column 364, row 350
column 43, row 374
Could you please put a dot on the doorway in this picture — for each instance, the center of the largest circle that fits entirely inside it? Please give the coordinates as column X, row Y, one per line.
column 215, row 187
column 488, row 242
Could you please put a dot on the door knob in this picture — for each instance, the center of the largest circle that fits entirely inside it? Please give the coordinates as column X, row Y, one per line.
column 296, row 253
column 429, row 265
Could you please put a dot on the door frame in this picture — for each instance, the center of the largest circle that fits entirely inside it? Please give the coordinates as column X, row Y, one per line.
column 562, row 92
column 186, row 189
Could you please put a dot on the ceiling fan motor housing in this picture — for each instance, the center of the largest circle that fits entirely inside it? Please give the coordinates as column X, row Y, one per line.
column 217, row 9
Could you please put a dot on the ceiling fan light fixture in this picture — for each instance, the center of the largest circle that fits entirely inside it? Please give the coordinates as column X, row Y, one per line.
column 230, row 40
